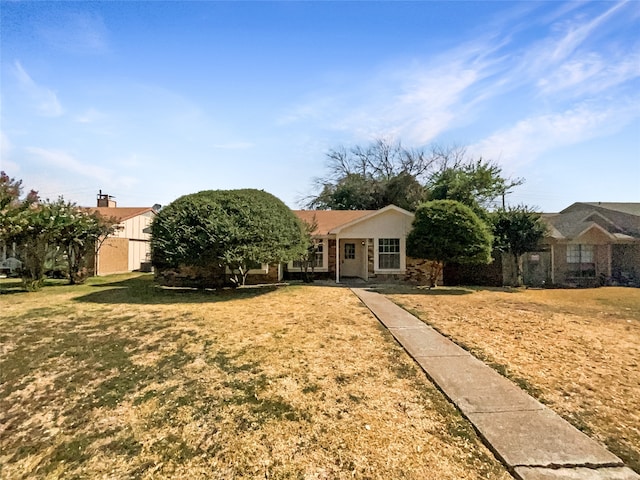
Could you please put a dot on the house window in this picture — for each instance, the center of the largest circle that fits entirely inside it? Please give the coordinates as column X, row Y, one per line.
column 389, row 253
column 349, row 251
column 318, row 259
column 253, row 265
column 579, row 253
column 580, row 260
column 319, row 256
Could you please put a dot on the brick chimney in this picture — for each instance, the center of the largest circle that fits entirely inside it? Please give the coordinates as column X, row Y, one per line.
column 105, row 200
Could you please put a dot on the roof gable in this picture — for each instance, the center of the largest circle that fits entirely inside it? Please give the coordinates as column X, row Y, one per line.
column 612, row 219
column 333, row 221
column 370, row 215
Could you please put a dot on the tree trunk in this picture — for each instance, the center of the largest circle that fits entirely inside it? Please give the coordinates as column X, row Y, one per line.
column 518, row 259
column 434, row 273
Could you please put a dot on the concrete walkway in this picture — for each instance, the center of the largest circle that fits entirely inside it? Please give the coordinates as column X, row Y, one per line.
column 530, row 439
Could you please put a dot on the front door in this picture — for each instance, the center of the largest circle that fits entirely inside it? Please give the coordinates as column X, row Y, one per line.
column 351, row 258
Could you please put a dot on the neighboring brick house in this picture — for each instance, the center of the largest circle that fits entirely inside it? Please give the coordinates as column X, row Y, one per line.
column 588, row 244
column 365, row 244
column 129, row 248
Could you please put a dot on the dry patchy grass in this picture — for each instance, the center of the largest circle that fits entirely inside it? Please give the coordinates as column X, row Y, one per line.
column 124, row 380
column 576, row 350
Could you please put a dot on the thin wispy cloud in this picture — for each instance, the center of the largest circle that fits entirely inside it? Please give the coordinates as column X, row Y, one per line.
column 80, row 33
column 6, row 148
column 234, row 145
column 90, row 115
column 591, row 74
column 43, row 99
column 69, row 163
column 578, row 33
column 530, row 137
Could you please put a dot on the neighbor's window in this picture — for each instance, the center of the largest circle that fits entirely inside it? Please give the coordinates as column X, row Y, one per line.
column 580, row 259
column 580, row 253
column 349, row 251
column 389, row 253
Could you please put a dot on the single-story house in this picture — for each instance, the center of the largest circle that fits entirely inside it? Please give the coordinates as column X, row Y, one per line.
column 129, row 248
column 365, row 244
column 588, row 244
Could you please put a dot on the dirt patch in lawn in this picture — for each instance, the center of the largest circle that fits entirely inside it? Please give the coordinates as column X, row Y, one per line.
column 125, row 380
column 576, row 350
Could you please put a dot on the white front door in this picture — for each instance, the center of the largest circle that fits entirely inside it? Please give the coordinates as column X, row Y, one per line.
column 351, row 258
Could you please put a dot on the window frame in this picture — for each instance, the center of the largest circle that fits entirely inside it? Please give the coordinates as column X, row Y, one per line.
column 580, row 258
column 389, row 248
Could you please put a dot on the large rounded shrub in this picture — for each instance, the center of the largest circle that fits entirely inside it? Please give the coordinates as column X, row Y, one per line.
column 448, row 231
column 218, row 231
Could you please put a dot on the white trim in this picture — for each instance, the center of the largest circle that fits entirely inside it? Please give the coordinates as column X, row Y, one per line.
column 593, row 225
column 376, row 257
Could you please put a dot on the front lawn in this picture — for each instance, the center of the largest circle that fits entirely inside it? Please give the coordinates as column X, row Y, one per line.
column 120, row 379
column 576, row 350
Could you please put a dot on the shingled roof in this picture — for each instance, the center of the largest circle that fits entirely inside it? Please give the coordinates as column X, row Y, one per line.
column 328, row 220
column 619, row 220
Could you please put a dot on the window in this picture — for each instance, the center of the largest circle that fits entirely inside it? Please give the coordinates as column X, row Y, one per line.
column 349, row 251
column 389, row 253
column 579, row 253
column 319, row 256
column 318, row 259
column 253, row 265
column 580, row 259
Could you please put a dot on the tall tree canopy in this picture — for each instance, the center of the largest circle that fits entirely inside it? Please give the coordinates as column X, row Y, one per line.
column 448, row 231
column 517, row 230
column 369, row 178
column 225, row 229
column 476, row 184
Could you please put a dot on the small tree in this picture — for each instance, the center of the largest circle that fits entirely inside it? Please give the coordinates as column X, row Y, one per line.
column 447, row 231
column 80, row 232
column 517, row 230
column 308, row 258
column 217, row 230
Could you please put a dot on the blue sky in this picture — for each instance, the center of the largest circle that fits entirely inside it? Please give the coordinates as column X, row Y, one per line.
column 152, row 100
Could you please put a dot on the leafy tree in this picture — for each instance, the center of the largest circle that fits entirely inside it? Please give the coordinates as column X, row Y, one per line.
column 517, row 230
column 384, row 173
column 43, row 228
column 79, row 232
column 370, row 178
column 220, row 229
column 11, row 204
column 448, row 231
column 35, row 230
column 476, row 184
column 307, row 259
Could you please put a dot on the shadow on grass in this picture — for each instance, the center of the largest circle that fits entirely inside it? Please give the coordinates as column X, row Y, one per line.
column 14, row 285
column 142, row 290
